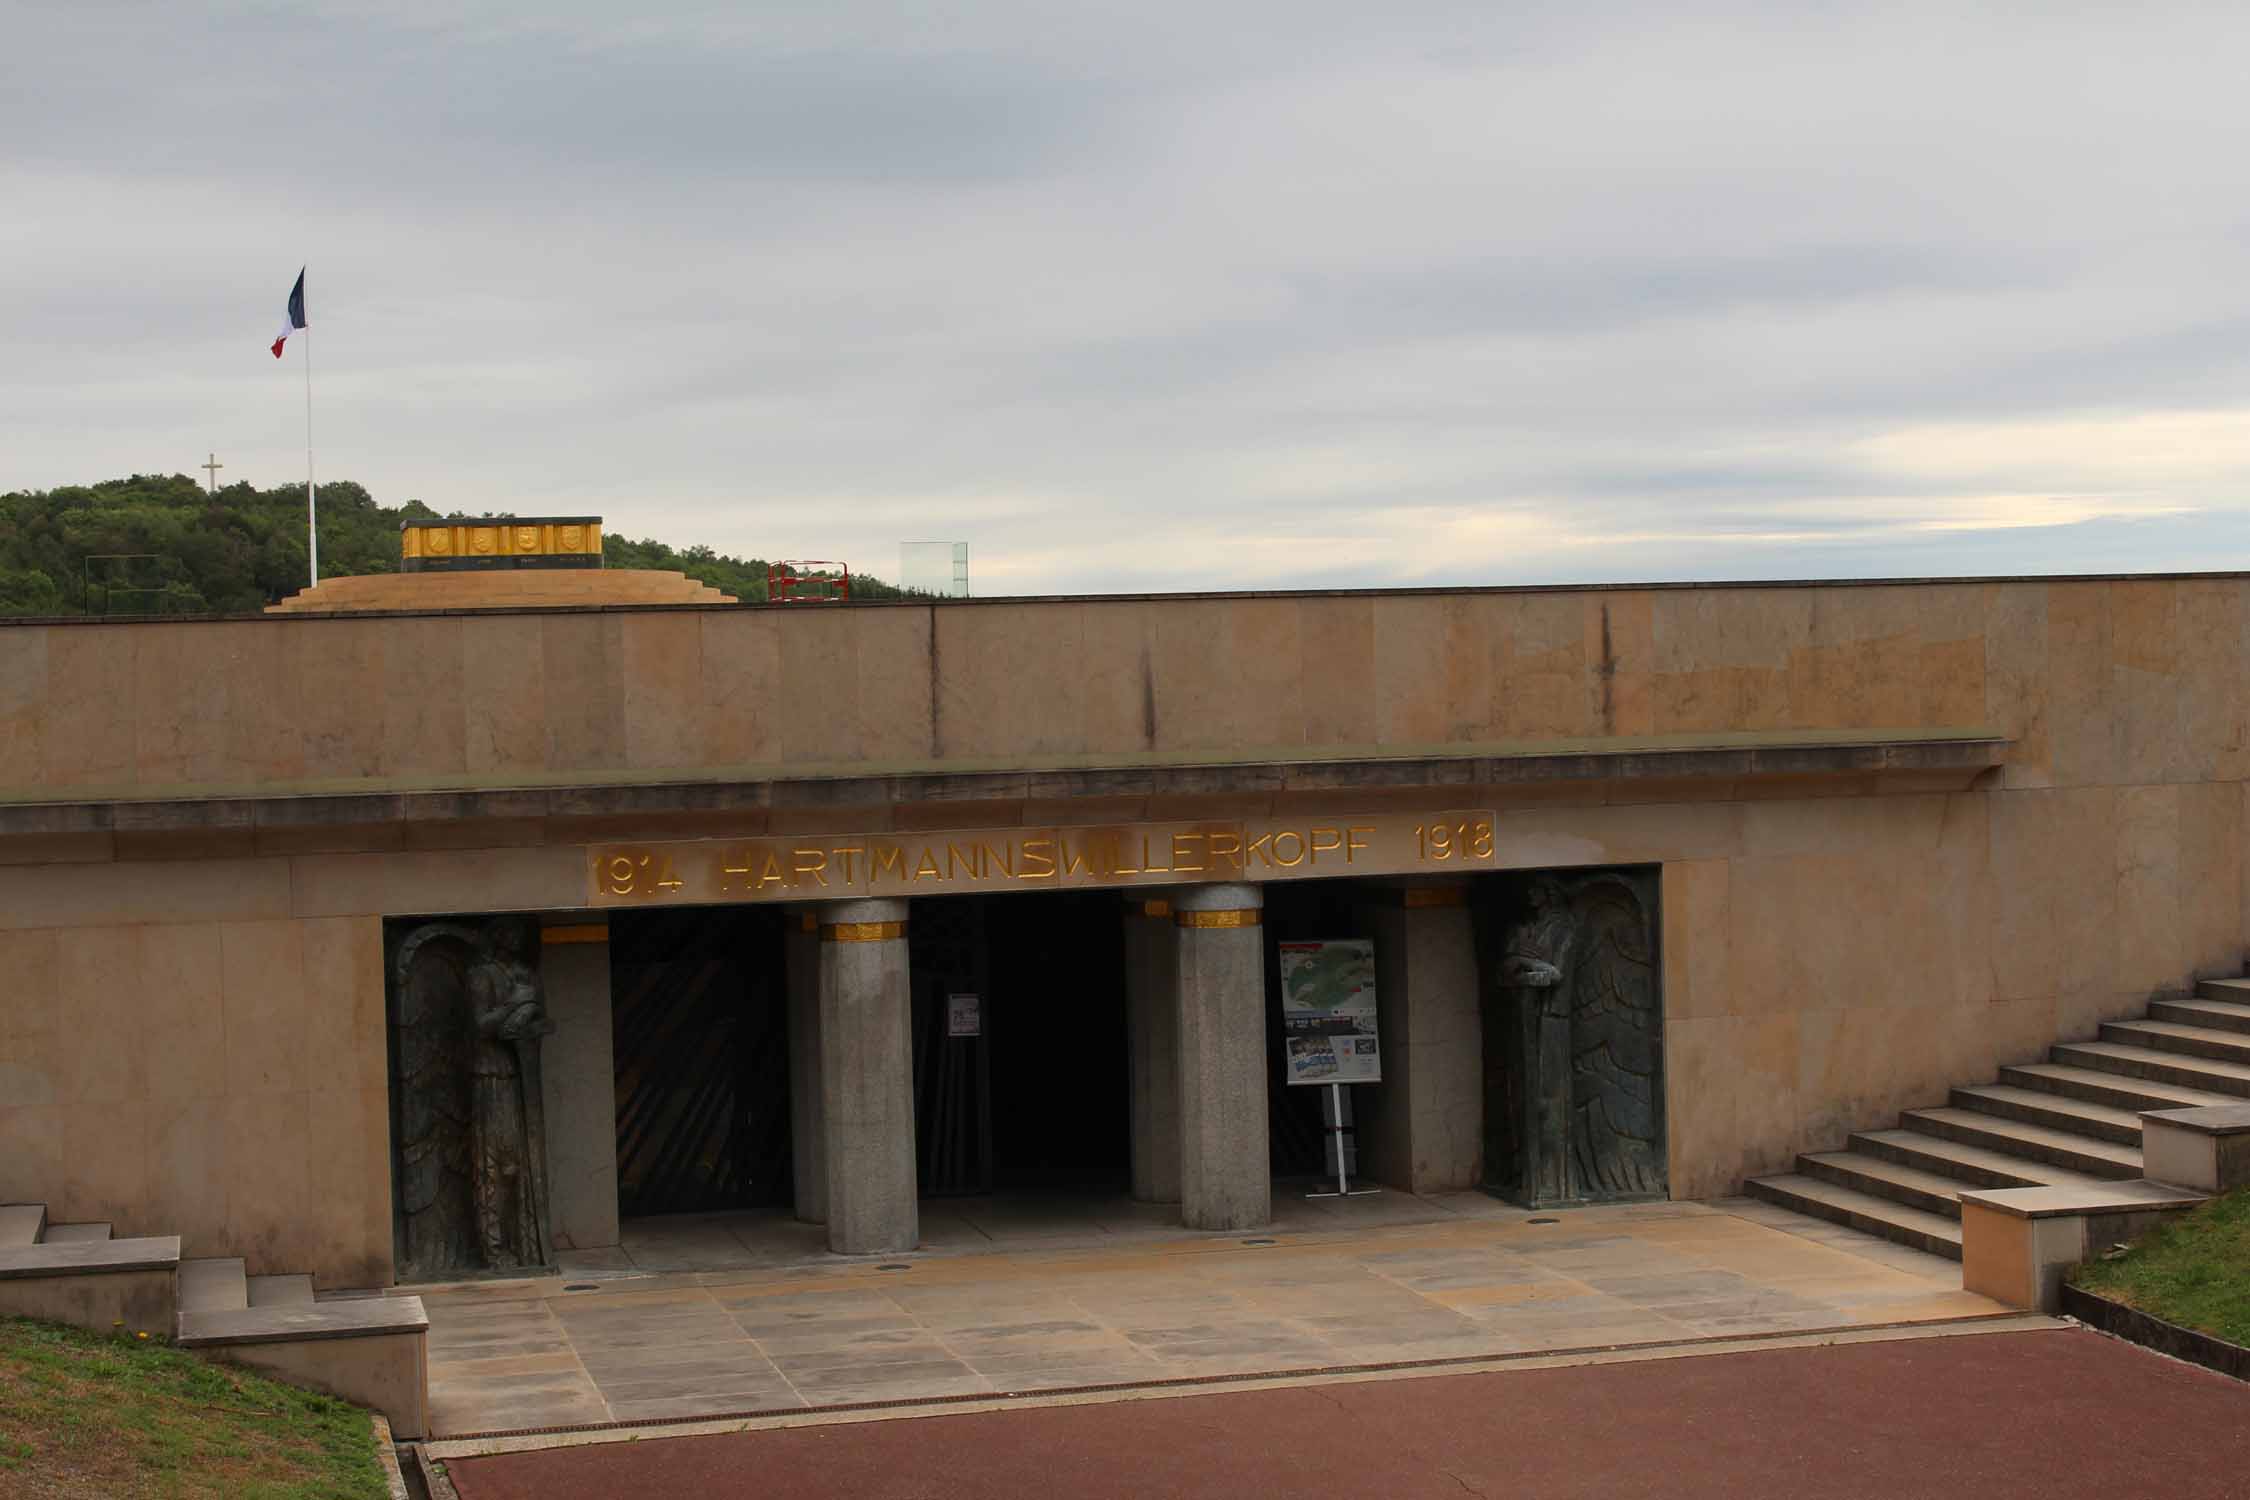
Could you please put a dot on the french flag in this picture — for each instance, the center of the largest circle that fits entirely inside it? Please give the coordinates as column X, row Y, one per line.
column 294, row 319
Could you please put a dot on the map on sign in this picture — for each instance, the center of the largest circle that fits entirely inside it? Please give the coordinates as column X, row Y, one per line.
column 1328, row 1011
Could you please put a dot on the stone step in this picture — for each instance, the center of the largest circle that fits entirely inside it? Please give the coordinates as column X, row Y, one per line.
column 2216, row 1015
column 2224, row 989
column 2119, row 1091
column 1931, row 1192
column 20, row 1224
column 2187, row 1041
column 2158, row 1067
column 1862, row 1211
column 2040, row 1143
column 210, row 1286
column 101, row 1284
column 1976, row 1166
column 73, row 1234
column 281, row 1291
column 2103, row 1122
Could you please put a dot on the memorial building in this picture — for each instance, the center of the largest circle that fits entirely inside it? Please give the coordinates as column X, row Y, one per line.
column 430, row 926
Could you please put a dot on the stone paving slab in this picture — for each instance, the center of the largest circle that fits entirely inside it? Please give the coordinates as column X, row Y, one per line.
column 1072, row 1308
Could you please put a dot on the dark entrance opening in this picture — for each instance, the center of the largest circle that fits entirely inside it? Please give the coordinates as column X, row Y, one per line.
column 1298, row 912
column 1036, row 1101
column 700, row 1029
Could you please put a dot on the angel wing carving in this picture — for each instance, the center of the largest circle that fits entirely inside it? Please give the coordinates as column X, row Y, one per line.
column 431, row 1038
column 1616, row 1040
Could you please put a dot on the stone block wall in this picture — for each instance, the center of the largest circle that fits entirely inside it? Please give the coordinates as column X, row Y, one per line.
column 2097, row 682
column 225, row 1081
column 197, row 1046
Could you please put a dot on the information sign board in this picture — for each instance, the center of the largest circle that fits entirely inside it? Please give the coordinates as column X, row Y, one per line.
column 1328, row 1012
column 964, row 1016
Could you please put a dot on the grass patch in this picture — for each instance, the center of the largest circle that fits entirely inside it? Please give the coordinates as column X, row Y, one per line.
column 87, row 1415
column 2194, row 1271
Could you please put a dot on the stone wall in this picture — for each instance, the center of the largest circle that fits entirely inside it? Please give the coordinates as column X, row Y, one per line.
column 191, row 1023
column 222, row 1080
column 2097, row 682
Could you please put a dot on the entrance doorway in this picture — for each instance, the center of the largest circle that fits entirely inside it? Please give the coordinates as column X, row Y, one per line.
column 1020, row 1057
column 1299, row 912
column 700, row 1035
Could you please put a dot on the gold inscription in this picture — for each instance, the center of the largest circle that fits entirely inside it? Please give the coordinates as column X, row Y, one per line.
column 1469, row 839
column 1013, row 858
column 637, row 872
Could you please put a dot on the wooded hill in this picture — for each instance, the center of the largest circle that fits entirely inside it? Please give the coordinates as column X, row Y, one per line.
column 162, row 544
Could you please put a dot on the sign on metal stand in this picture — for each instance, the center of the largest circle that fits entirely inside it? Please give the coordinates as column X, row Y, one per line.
column 1329, row 1034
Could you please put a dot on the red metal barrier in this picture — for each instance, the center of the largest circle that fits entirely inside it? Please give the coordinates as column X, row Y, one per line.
column 803, row 581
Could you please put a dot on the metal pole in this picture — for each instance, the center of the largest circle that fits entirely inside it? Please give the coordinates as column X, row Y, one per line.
column 1336, row 1102
column 1337, row 1130
column 312, row 516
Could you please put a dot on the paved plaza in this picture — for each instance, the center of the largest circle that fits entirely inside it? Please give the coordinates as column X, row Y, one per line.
column 738, row 1315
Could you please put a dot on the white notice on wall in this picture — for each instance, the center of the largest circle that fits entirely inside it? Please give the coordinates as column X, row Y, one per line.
column 1328, row 1012
column 964, row 1016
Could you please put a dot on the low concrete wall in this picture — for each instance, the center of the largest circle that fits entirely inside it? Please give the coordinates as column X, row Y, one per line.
column 136, row 1301
column 387, row 1373
column 2206, row 1149
column 2018, row 1244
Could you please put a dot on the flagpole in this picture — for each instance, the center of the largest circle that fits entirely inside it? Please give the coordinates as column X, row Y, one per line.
column 312, row 516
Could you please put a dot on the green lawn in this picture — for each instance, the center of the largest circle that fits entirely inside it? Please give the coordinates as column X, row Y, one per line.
column 2194, row 1271
column 86, row 1415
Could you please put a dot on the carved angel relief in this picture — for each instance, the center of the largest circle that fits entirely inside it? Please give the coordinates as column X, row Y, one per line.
column 1582, row 1006
column 467, row 1014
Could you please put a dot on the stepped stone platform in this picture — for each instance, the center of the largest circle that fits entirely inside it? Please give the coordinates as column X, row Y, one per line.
column 528, row 588
column 2071, row 1127
column 369, row 1350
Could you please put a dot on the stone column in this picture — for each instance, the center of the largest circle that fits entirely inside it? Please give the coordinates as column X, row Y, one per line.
column 1152, row 1027
column 578, row 1086
column 867, row 1077
column 1422, row 1127
column 1225, row 1182
column 808, row 1142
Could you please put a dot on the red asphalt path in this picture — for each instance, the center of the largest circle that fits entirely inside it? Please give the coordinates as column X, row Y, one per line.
column 2052, row 1414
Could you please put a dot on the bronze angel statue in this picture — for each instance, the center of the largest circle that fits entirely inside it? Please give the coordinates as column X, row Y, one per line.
column 468, row 1014
column 1581, row 966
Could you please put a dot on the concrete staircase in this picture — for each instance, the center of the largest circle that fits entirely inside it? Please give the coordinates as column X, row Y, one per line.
column 367, row 1349
column 2072, row 1121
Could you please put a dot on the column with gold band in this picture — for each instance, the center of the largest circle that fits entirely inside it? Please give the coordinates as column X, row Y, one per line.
column 1224, row 1180
column 866, row 1077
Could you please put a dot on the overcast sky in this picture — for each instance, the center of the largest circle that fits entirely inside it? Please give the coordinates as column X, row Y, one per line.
column 1252, row 293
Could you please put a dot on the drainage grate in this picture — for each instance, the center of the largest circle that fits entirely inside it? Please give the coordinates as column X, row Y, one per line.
column 1546, row 1221
column 581, row 1286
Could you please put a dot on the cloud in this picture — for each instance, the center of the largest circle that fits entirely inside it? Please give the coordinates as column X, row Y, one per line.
column 1164, row 296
